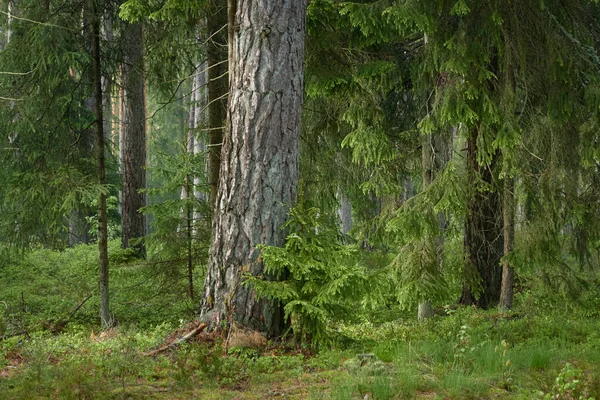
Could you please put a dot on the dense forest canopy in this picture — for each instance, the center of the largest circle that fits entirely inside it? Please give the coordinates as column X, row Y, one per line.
column 286, row 167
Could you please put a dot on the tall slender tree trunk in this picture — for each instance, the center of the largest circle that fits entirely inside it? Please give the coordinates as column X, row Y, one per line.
column 107, row 85
column 105, row 316
column 216, row 56
column 506, row 292
column 483, row 240
column 78, row 225
column 259, row 170
column 200, row 124
column 187, row 191
column 133, row 137
column 425, row 310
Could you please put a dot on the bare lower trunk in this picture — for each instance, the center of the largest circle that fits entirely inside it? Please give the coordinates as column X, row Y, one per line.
column 483, row 233
column 190, row 256
column 105, row 316
column 187, row 191
column 78, row 226
column 506, row 292
column 425, row 311
column 133, row 138
column 345, row 213
column 259, row 170
column 435, row 154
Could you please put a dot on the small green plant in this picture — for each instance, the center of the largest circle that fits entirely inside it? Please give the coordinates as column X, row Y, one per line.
column 568, row 385
column 244, row 353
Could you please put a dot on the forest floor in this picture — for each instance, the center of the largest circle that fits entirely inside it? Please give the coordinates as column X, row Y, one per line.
column 51, row 346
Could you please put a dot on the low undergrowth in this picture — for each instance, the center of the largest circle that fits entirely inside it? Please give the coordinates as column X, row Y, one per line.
column 470, row 354
column 462, row 353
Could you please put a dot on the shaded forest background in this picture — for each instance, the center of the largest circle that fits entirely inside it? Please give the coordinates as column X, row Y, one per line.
column 448, row 156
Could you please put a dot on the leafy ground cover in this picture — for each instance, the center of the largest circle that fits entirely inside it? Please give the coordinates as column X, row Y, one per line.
column 50, row 348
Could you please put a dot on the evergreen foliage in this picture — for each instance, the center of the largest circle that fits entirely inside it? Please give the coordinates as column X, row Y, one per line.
column 170, row 239
column 317, row 278
column 510, row 88
column 48, row 162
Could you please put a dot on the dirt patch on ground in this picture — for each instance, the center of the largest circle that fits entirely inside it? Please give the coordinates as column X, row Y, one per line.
column 14, row 360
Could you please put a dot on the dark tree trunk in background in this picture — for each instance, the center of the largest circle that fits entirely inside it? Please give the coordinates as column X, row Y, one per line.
column 78, row 225
column 107, row 84
column 200, row 123
column 483, row 232
column 133, row 137
column 216, row 56
column 506, row 293
column 425, row 310
column 259, row 170
column 435, row 154
column 345, row 213
column 105, row 316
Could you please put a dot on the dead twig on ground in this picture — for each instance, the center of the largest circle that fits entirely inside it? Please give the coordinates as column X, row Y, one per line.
column 175, row 343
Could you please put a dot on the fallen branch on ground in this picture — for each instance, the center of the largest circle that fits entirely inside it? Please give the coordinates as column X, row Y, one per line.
column 177, row 342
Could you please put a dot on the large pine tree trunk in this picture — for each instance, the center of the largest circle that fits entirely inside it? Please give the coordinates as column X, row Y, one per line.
column 216, row 56
column 133, row 136
column 259, row 170
column 483, row 232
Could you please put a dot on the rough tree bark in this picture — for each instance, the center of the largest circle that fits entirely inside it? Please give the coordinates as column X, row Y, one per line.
column 216, row 57
column 260, row 158
column 483, row 232
column 102, row 214
column 506, row 291
column 133, row 137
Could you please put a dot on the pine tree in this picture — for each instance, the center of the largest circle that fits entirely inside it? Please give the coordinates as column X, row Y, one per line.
column 259, row 172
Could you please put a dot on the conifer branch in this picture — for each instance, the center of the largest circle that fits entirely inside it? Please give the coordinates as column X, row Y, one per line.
column 17, row 73
column 37, row 22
